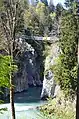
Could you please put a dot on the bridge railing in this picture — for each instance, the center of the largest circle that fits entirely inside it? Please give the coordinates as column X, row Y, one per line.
column 37, row 38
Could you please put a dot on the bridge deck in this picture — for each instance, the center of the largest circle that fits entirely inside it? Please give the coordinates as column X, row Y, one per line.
column 53, row 38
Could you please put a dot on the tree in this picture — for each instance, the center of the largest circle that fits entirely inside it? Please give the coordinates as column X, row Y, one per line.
column 68, row 3
column 4, row 73
column 59, row 10
column 11, row 26
column 1, row 2
column 77, row 100
column 44, row 18
column 4, row 76
column 51, row 6
column 74, row 8
column 40, row 20
column 67, row 66
column 31, row 20
column 45, row 2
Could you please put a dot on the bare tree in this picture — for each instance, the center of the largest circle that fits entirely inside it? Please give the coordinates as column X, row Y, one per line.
column 11, row 25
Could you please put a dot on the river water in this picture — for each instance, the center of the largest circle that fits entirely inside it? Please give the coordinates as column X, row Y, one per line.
column 25, row 105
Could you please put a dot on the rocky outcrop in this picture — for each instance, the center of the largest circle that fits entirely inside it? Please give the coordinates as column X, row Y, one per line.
column 29, row 69
column 50, row 88
column 48, row 85
column 30, row 66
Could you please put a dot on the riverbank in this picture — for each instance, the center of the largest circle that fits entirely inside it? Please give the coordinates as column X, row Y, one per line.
column 59, row 107
column 26, row 104
column 23, row 111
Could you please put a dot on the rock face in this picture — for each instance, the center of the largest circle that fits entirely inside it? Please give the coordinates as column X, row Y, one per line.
column 49, row 86
column 29, row 70
column 30, row 66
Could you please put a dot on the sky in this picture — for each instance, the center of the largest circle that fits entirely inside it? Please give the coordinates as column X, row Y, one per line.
column 58, row 1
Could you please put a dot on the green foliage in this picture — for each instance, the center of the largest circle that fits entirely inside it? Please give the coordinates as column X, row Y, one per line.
column 58, row 108
column 1, row 3
column 46, row 51
column 65, row 70
column 72, row 6
column 69, row 3
column 59, row 10
column 2, row 109
column 5, row 70
column 11, row 17
column 38, row 19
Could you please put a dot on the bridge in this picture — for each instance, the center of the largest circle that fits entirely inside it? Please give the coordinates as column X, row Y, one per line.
column 31, row 39
column 38, row 42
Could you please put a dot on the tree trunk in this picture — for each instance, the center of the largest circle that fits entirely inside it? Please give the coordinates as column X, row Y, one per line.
column 77, row 104
column 12, row 103
column 12, row 96
column 77, row 100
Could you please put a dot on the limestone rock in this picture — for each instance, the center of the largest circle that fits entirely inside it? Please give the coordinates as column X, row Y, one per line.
column 49, row 86
column 29, row 70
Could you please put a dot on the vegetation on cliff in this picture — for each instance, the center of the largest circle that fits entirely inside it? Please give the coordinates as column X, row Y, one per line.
column 40, row 20
column 66, row 69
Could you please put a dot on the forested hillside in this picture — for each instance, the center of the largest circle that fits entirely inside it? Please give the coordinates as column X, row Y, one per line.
column 39, row 48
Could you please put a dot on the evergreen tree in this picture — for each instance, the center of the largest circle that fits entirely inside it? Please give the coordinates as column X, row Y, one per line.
column 69, row 3
column 40, row 19
column 45, row 2
column 59, row 10
column 4, row 76
column 51, row 6
column 66, row 69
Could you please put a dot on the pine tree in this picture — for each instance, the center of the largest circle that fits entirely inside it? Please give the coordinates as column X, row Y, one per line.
column 45, row 2
column 67, row 68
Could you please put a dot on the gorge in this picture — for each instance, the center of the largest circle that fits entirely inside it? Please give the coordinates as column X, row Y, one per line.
column 30, row 86
column 39, row 59
column 34, row 66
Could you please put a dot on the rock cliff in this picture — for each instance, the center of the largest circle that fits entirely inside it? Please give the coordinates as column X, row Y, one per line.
column 50, row 88
column 29, row 69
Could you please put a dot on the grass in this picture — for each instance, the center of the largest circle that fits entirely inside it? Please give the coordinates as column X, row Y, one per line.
column 59, row 108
